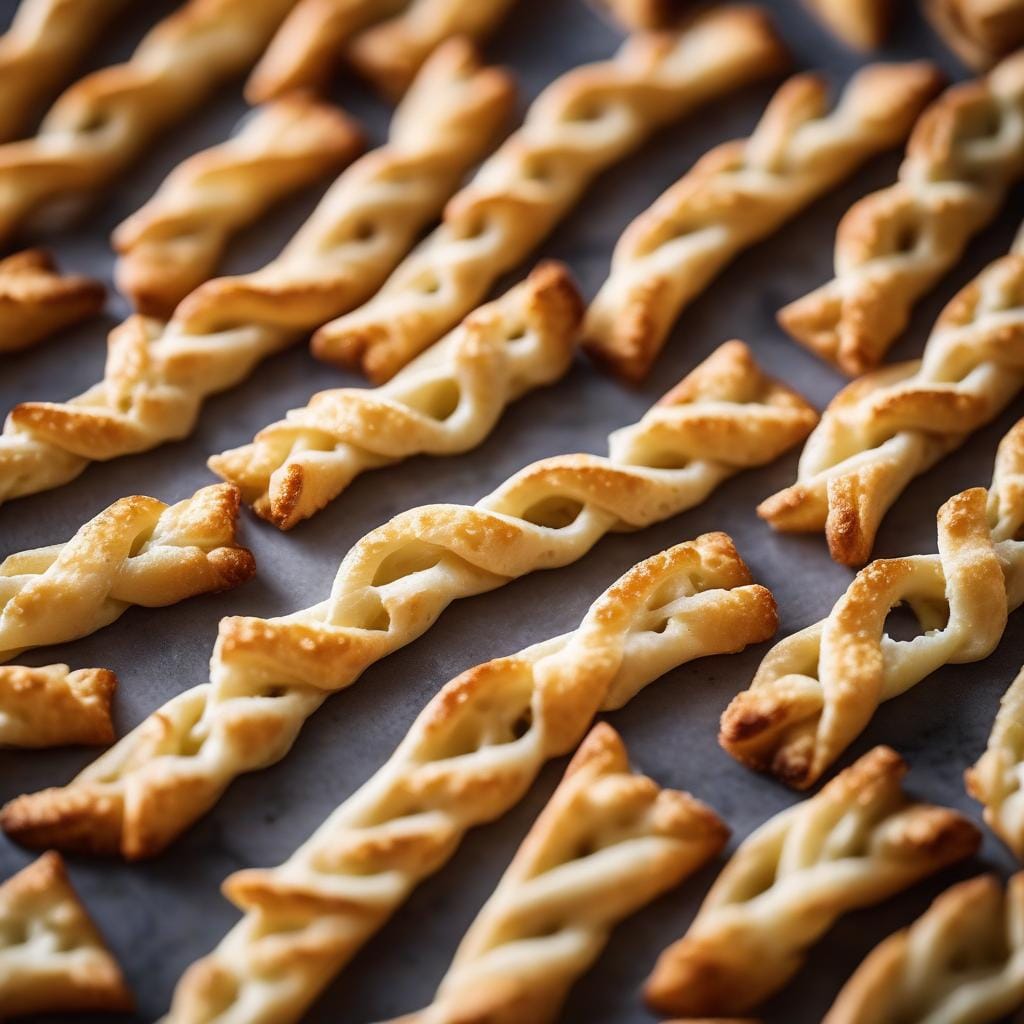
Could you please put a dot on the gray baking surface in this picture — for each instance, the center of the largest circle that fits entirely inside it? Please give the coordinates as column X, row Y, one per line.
column 162, row 914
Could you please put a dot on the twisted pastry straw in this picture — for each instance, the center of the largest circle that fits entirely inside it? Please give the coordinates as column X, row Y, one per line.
column 52, row 957
column 861, row 24
column 40, row 50
column 37, row 302
column 582, row 123
column 962, row 962
column 268, row 676
column 857, row 842
column 174, row 242
column 978, row 31
column 442, row 403
column 107, row 119
column 739, row 193
column 996, row 778
column 608, row 841
column 53, row 706
column 893, row 245
column 472, row 753
column 881, row 431
column 137, row 551
column 817, row 689
column 157, row 376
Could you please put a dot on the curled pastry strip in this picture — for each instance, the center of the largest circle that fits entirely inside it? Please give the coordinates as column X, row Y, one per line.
column 857, row 842
column 468, row 758
column 269, row 675
column 978, row 31
column 963, row 960
column 53, row 706
column 137, row 551
column 817, row 689
column 52, row 957
column 158, row 375
column 40, row 51
column 173, row 244
column 105, row 120
column 608, row 841
column 862, row 24
column 585, row 121
column 965, row 152
column 36, row 301
column 892, row 425
column 739, row 193
column 442, row 403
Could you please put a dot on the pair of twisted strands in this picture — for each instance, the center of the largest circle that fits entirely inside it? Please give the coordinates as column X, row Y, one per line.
column 158, row 375
column 173, row 243
column 889, row 426
column 739, row 193
column 965, row 152
column 608, row 841
column 445, row 401
column 267, row 676
column 817, row 689
column 585, row 121
column 468, row 758
column 106, row 120
column 857, row 842
column 962, row 962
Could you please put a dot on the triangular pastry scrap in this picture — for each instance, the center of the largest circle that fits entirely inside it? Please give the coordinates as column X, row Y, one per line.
column 469, row 757
column 269, row 675
column 857, row 842
column 860, row 24
column 817, row 690
column 52, row 958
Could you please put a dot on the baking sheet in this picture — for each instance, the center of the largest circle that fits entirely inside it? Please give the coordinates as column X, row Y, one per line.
column 160, row 915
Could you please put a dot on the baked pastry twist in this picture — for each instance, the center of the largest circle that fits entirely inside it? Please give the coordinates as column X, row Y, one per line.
column 996, row 779
column 857, row 842
column 53, row 706
column 173, row 243
column 137, row 551
column 608, row 841
column 158, row 375
column 978, row 31
column 862, row 24
column 962, row 961
column 444, row 402
column 472, row 753
column 582, row 123
column 40, row 51
column 739, row 193
column 641, row 15
column 37, row 302
column 52, row 958
column 817, row 689
column 892, row 425
column 268, row 676
column 105, row 120
column 893, row 245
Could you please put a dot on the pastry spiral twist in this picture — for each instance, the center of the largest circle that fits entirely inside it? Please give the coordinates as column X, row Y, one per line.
column 444, row 402
column 857, row 842
column 137, row 551
column 582, row 123
column 52, row 958
column 173, row 244
column 37, row 302
column 105, row 120
column 739, row 193
column 817, row 689
column 471, row 754
column 965, row 152
column 894, row 424
column 979, row 31
column 962, row 962
column 53, row 706
column 608, row 841
column 40, row 50
column 268, row 676
column 158, row 375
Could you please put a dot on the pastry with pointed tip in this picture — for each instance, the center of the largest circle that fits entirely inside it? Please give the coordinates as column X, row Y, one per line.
column 641, row 15
column 978, row 31
column 860, row 24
